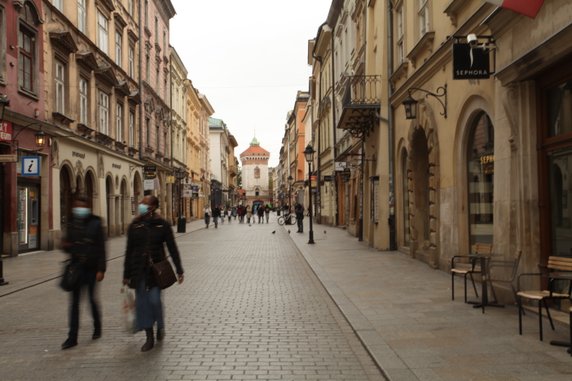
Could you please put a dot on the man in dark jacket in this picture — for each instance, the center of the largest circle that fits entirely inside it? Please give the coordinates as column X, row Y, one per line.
column 299, row 210
column 85, row 242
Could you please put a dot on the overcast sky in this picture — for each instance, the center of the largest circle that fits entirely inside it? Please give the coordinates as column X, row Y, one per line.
column 249, row 58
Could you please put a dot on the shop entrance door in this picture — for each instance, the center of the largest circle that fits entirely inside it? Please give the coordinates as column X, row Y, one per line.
column 28, row 218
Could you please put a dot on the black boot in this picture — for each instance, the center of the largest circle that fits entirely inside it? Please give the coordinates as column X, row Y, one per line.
column 160, row 334
column 150, row 340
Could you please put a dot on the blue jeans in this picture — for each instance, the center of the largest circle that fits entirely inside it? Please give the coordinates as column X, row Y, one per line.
column 148, row 307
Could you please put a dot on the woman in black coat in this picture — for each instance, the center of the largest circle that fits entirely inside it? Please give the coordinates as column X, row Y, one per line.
column 145, row 238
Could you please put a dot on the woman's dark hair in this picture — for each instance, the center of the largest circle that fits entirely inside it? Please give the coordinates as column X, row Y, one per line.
column 154, row 201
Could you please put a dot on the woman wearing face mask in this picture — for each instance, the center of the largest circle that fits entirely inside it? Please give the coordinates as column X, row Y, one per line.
column 85, row 242
column 146, row 237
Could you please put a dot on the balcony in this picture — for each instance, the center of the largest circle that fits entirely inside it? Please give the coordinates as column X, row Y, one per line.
column 360, row 104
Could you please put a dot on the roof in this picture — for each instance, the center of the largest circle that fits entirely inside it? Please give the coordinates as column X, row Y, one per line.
column 255, row 150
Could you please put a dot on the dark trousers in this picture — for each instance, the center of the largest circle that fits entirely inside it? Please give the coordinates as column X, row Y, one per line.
column 300, row 222
column 88, row 281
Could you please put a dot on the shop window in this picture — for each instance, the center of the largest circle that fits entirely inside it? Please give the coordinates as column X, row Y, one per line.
column 560, row 109
column 480, row 172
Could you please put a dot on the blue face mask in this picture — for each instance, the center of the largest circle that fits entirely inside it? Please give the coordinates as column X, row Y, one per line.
column 80, row 212
column 143, row 208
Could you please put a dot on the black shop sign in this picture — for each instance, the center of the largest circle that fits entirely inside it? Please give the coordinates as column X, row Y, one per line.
column 471, row 61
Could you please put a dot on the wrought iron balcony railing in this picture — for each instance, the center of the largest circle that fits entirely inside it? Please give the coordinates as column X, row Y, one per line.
column 361, row 104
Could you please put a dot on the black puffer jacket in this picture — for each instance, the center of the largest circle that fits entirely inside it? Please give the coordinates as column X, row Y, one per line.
column 85, row 242
column 147, row 237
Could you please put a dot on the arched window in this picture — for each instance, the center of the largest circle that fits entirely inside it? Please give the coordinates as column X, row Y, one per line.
column 480, row 172
column 27, row 49
column 256, row 173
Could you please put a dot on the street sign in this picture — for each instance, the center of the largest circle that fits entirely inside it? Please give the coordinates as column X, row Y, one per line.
column 30, row 166
column 148, row 184
column 8, row 158
column 339, row 165
column 471, row 62
column 5, row 132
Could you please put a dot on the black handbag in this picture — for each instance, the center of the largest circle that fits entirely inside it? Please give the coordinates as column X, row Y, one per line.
column 71, row 276
column 163, row 273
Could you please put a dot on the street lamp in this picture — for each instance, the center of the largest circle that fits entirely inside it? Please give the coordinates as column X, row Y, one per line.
column 290, row 180
column 182, row 220
column 309, row 154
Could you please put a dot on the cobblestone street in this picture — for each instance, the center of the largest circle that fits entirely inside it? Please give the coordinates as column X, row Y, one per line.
column 250, row 309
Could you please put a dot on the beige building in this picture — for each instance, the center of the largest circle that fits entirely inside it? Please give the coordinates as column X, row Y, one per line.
column 480, row 155
column 199, row 110
column 91, row 53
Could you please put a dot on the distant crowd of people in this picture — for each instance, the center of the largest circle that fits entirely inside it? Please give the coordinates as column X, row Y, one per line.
column 243, row 213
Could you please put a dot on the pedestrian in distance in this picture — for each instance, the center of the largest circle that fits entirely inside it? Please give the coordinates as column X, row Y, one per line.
column 260, row 213
column 146, row 237
column 208, row 214
column 267, row 212
column 85, row 243
column 234, row 211
column 299, row 210
column 248, row 214
column 228, row 214
column 216, row 215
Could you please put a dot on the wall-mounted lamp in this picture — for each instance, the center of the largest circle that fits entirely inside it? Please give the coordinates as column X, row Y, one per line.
column 4, row 102
column 40, row 138
column 410, row 103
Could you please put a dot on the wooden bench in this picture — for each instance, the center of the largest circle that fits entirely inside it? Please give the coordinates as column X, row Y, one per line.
column 557, row 268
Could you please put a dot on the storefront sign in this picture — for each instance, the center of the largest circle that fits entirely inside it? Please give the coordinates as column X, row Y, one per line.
column 149, row 171
column 116, row 166
column 187, row 191
column 339, row 165
column 8, row 158
column 149, row 184
column 471, row 61
column 30, row 166
column 5, row 132
column 78, row 154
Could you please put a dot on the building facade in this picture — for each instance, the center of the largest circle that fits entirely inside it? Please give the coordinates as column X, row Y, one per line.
column 255, row 180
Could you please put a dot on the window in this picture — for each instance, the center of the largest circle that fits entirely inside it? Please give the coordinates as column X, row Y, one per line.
column 26, row 58
column 103, row 112
column 146, row 13
column 131, row 7
column 148, row 132
column 400, row 34
column 119, row 123
column 157, row 79
column 131, row 58
column 256, row 173
column 59, row 4
column 559, row 106
column 147, row 69
column 102, row 32
column 480, row 171
column 156, row 30
column 423, row 14
column 165, row 41
column 118, row 47
column 2, row 46
column 158, row 137
column 83, row 100
column 81, row 15
column 60, row 86
column 131, row 137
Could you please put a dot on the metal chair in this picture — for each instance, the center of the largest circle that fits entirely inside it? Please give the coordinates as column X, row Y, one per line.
column 551, row 274
column 504, row 272
column 467, row 265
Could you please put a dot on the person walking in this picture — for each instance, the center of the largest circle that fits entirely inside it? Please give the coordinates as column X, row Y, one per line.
column 216, row 215
column 299, row 210
column 85, row 242
column 267, row 212
column 208, row 214
column 260, row 213
column 248, row 214
column 146, row 237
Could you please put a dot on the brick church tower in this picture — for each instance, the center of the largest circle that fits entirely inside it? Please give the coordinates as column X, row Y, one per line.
column 255, row 174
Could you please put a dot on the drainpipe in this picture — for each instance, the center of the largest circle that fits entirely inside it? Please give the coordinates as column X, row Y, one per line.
column 334, row 127
column 390, row 130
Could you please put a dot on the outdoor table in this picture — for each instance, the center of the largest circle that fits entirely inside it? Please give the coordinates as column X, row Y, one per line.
column 484, row 260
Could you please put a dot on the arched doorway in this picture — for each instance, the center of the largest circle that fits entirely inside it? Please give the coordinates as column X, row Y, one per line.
column 66, row 195
column 406, row 222
column 90, row 189
column 137, row 192
column 109, row 202
column 419, row 164
column 124, row 207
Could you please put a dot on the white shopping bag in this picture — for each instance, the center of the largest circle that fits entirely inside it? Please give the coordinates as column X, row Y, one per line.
column 128, row 309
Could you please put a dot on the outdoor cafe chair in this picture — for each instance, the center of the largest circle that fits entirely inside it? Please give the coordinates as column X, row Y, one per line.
column 467, row 266
column 504, row 272
column 558, row 268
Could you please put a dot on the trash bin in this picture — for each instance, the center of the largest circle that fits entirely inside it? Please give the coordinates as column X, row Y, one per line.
column 181, row 225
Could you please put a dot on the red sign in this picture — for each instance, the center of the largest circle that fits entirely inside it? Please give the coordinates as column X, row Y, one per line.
column 6, row 132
